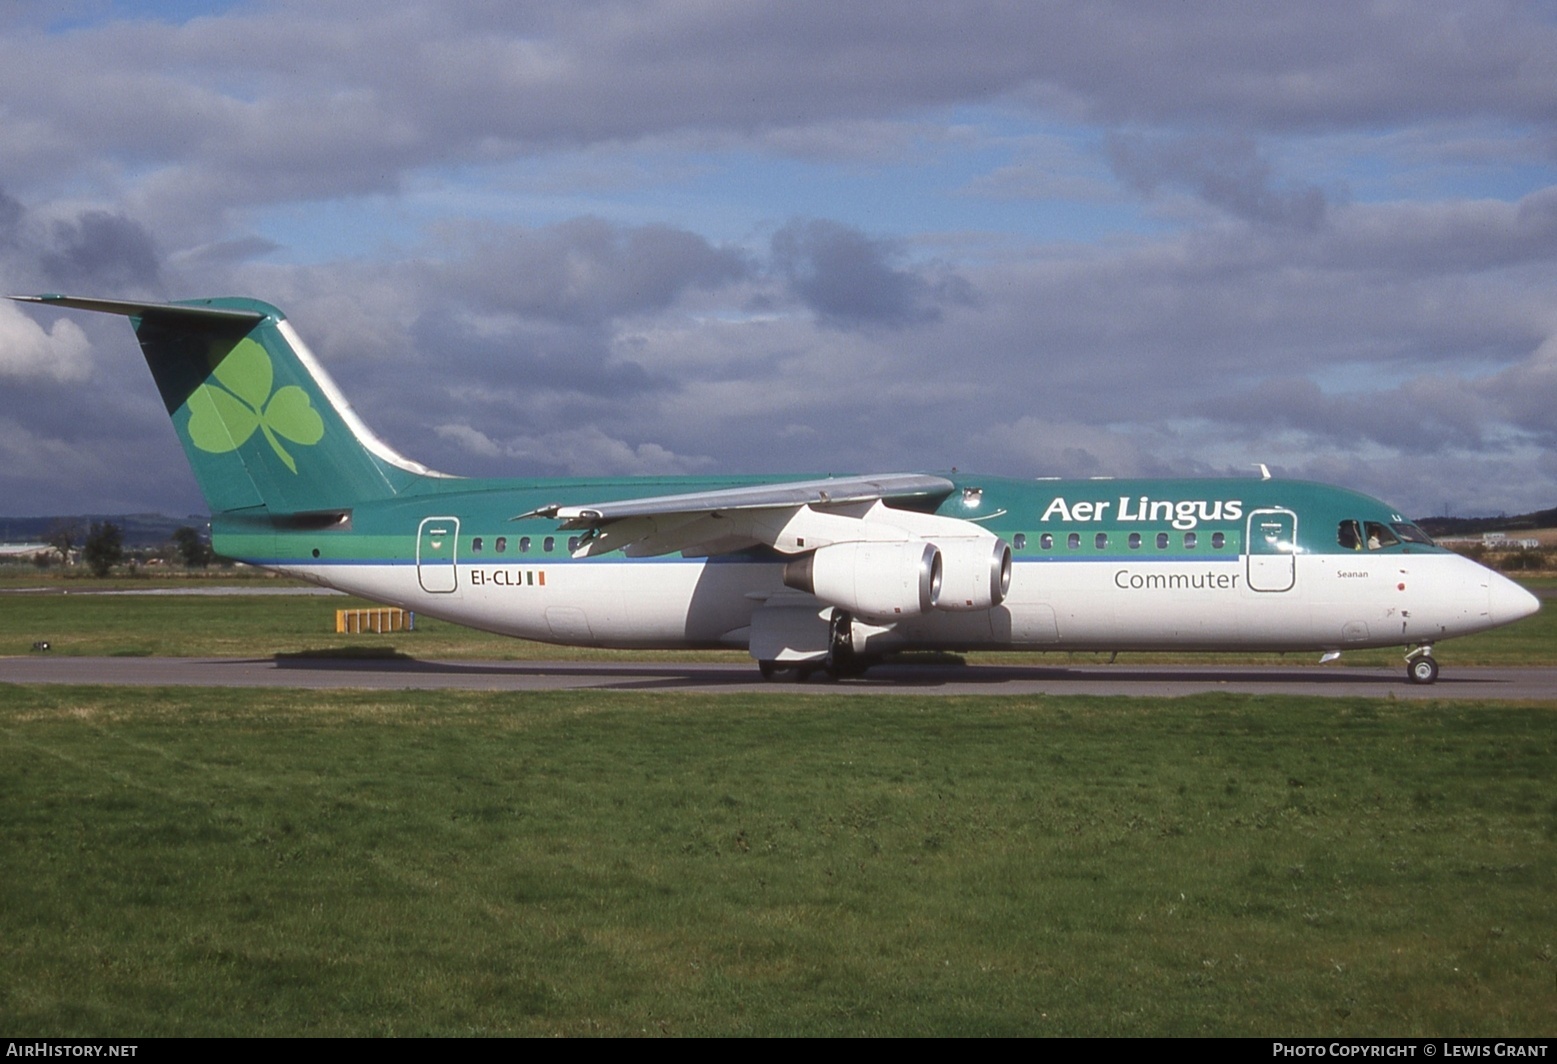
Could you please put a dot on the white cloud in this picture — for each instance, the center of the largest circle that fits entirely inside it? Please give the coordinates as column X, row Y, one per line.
column 27, row 350
column 585, row 451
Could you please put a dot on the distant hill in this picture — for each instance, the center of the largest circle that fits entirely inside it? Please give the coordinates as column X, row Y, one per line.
column 140, row 530
column 1471, row 526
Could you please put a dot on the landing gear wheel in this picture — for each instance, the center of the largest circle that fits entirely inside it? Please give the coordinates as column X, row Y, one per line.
column 842, row 662
column 1422, row 669
column 768, row 669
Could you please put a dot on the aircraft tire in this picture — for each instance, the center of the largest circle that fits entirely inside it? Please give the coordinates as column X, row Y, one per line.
column 768, row 669
column 1422, row 669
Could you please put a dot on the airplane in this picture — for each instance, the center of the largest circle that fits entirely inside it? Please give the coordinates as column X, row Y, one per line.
column 807, row 574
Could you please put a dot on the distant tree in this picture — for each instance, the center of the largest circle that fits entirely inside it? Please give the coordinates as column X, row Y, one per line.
column 62, row 537
column 103, row 548
column 195, row 551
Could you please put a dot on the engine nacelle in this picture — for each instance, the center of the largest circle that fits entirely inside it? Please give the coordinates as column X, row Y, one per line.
column 975, row 574
column 872, row 579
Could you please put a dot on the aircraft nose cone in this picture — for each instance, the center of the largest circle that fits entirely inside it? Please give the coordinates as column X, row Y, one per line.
column 1508, row 602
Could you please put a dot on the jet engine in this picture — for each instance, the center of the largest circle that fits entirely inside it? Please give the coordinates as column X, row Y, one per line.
column 871, row 578
column 975, row 574
column 889, row 579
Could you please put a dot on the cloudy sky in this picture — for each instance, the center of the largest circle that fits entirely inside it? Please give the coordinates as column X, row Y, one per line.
column 1069, row 238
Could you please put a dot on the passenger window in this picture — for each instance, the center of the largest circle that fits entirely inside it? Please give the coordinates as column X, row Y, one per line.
column 502, row 544
column 1135, row 541
column 1162, row 541
column 572, row 544
column 1190, row 540
column 475, row 545
column 1379, row 536
column 1218, row 540
column 1019, row 541
column 1046, row 541
column 1073, row 541
column 548, row 544
column 1100, row 541
column 1348, row 535
column 524, row 544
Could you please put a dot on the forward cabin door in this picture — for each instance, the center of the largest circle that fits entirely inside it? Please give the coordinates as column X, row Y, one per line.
column 436, row 540
column 1272, row 545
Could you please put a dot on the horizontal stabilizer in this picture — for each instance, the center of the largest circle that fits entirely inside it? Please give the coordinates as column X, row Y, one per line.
column 146, row 310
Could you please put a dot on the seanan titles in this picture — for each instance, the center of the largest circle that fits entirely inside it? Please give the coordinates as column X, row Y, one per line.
column 1182, row 514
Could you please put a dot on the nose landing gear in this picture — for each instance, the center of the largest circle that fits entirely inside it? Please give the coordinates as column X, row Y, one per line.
column 1421, row 666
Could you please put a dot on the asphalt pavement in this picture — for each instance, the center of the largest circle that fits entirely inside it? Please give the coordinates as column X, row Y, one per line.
column 1154, row 681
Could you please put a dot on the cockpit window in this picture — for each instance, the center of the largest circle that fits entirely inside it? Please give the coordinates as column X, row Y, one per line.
column 1379, row 536
column 1349, row 535
column 1411, row 534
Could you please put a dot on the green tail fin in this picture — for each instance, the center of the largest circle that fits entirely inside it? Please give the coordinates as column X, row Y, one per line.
column 261, row 422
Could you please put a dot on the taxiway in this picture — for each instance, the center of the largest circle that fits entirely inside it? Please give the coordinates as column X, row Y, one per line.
column 1155, row 681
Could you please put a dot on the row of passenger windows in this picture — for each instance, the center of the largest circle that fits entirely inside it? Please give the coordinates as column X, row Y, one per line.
column 1190, row 541
column 523, row 546
column 1352, row 535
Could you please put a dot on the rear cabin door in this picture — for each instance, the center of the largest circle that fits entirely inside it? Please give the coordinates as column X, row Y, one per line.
column 1272, row 558
column 436, row 541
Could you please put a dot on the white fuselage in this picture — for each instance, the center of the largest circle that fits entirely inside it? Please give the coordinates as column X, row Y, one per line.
column 1320, row 602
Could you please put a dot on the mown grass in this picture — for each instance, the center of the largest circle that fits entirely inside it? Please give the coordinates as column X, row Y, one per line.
column 261, row 626
column 16, row 575
column 105, row 625
column 268, row 862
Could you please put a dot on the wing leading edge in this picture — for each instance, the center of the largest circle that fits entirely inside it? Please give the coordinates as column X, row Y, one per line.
column 715, row 522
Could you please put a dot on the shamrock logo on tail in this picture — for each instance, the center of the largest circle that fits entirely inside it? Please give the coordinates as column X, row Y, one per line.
column 221, row 419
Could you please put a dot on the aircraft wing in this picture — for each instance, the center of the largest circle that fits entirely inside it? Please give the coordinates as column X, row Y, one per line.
column 728, row 519
column 832, row 491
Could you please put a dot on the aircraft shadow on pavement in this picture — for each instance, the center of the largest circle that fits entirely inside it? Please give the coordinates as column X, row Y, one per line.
column 650, row 675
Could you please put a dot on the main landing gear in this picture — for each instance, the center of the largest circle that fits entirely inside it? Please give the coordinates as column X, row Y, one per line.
column 1421, row 666
column 843, row 662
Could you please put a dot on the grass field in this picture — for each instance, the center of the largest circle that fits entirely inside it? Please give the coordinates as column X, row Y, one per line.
column 269, row 862
column 273, row 862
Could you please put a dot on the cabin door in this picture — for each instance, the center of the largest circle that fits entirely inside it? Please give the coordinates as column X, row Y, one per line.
column 435, row 553
column 1272, row 547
